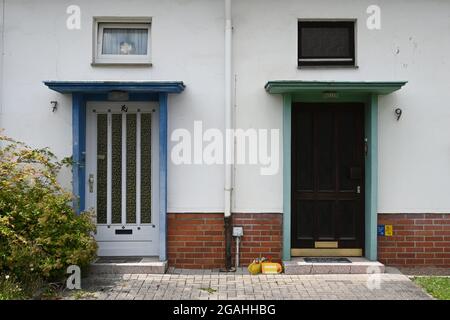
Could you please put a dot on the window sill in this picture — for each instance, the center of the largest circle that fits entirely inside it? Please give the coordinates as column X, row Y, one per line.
column 122, row 64
column 328, row 67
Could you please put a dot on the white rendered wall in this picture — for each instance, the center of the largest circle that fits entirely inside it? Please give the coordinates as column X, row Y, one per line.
column 1, row 58
column 187, row 45
column 187, row 42
column 414, row 153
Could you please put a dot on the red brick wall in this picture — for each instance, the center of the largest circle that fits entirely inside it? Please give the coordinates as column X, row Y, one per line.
column 421, row 240
column 196, row 241
column 262, row 236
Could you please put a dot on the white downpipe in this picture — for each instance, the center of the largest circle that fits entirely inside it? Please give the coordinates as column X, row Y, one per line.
column 229, row 148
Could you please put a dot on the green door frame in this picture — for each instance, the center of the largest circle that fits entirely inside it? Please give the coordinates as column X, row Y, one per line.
column 315, row 92
column 371, row 188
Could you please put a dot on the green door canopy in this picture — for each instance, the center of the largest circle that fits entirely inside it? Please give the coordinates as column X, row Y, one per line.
column 300, row 86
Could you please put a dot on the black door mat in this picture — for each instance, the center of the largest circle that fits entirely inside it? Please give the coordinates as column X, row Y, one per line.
column 119, row 260
column 327, row 260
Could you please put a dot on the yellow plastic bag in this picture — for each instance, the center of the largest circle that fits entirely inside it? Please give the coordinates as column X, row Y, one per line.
column 271, row 268
column 254, row 268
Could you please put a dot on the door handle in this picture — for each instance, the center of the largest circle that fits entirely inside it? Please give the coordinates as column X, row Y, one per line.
column 358, row 189
column 91, row 183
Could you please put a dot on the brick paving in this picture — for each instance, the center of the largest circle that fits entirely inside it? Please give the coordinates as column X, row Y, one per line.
column 182, row 284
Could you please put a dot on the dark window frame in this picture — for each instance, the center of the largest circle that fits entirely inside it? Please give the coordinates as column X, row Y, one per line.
column 350, row 25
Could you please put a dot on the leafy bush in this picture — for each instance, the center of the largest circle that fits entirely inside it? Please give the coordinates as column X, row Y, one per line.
column 40, row 234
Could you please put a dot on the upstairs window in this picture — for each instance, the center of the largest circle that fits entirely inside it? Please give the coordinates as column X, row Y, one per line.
column 122, row 43
column 326, row 43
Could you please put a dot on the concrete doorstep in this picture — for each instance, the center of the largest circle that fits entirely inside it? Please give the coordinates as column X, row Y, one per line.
column 128, row 265
column 355, row 266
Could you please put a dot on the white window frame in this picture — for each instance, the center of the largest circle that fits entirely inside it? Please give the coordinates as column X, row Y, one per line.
column 123, row 23
column 355, row 60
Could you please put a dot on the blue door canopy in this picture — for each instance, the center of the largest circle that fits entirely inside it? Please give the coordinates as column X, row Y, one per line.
column 92, row 87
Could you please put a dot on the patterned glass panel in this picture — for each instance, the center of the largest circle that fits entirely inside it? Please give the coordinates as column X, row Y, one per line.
column 102, row 167
column 131, row 168
column 116, row 181
column 146, row 168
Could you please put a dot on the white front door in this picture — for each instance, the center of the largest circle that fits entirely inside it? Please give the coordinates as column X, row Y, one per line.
column 122, row 172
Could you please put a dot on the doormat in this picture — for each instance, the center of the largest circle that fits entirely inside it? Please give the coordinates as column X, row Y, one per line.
column 119, row 260
column 327, row 260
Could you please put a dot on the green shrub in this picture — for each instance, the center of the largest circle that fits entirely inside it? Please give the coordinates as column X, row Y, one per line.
column 10, row 289
column 40, row 234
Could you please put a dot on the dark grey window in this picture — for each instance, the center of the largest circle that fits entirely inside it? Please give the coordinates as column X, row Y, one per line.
column 326, row 43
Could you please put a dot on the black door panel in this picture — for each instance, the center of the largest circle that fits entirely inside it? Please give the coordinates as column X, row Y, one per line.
column 327, row 174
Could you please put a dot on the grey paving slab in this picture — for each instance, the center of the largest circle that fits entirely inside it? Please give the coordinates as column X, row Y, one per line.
column 213, row 285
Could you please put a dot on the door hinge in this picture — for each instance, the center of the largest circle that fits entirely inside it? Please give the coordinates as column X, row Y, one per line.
column 91, row 183
column 366, row 147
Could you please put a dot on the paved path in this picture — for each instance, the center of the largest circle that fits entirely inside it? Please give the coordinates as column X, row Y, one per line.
column 212, row 285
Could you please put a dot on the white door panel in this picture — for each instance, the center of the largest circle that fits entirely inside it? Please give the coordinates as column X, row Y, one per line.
column 122, row 176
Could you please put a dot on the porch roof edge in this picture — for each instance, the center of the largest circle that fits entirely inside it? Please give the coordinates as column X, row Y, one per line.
column 105, row 86
column 301, row 86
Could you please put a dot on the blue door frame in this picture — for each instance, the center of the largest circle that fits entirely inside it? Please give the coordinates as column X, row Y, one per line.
column 82, row 92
